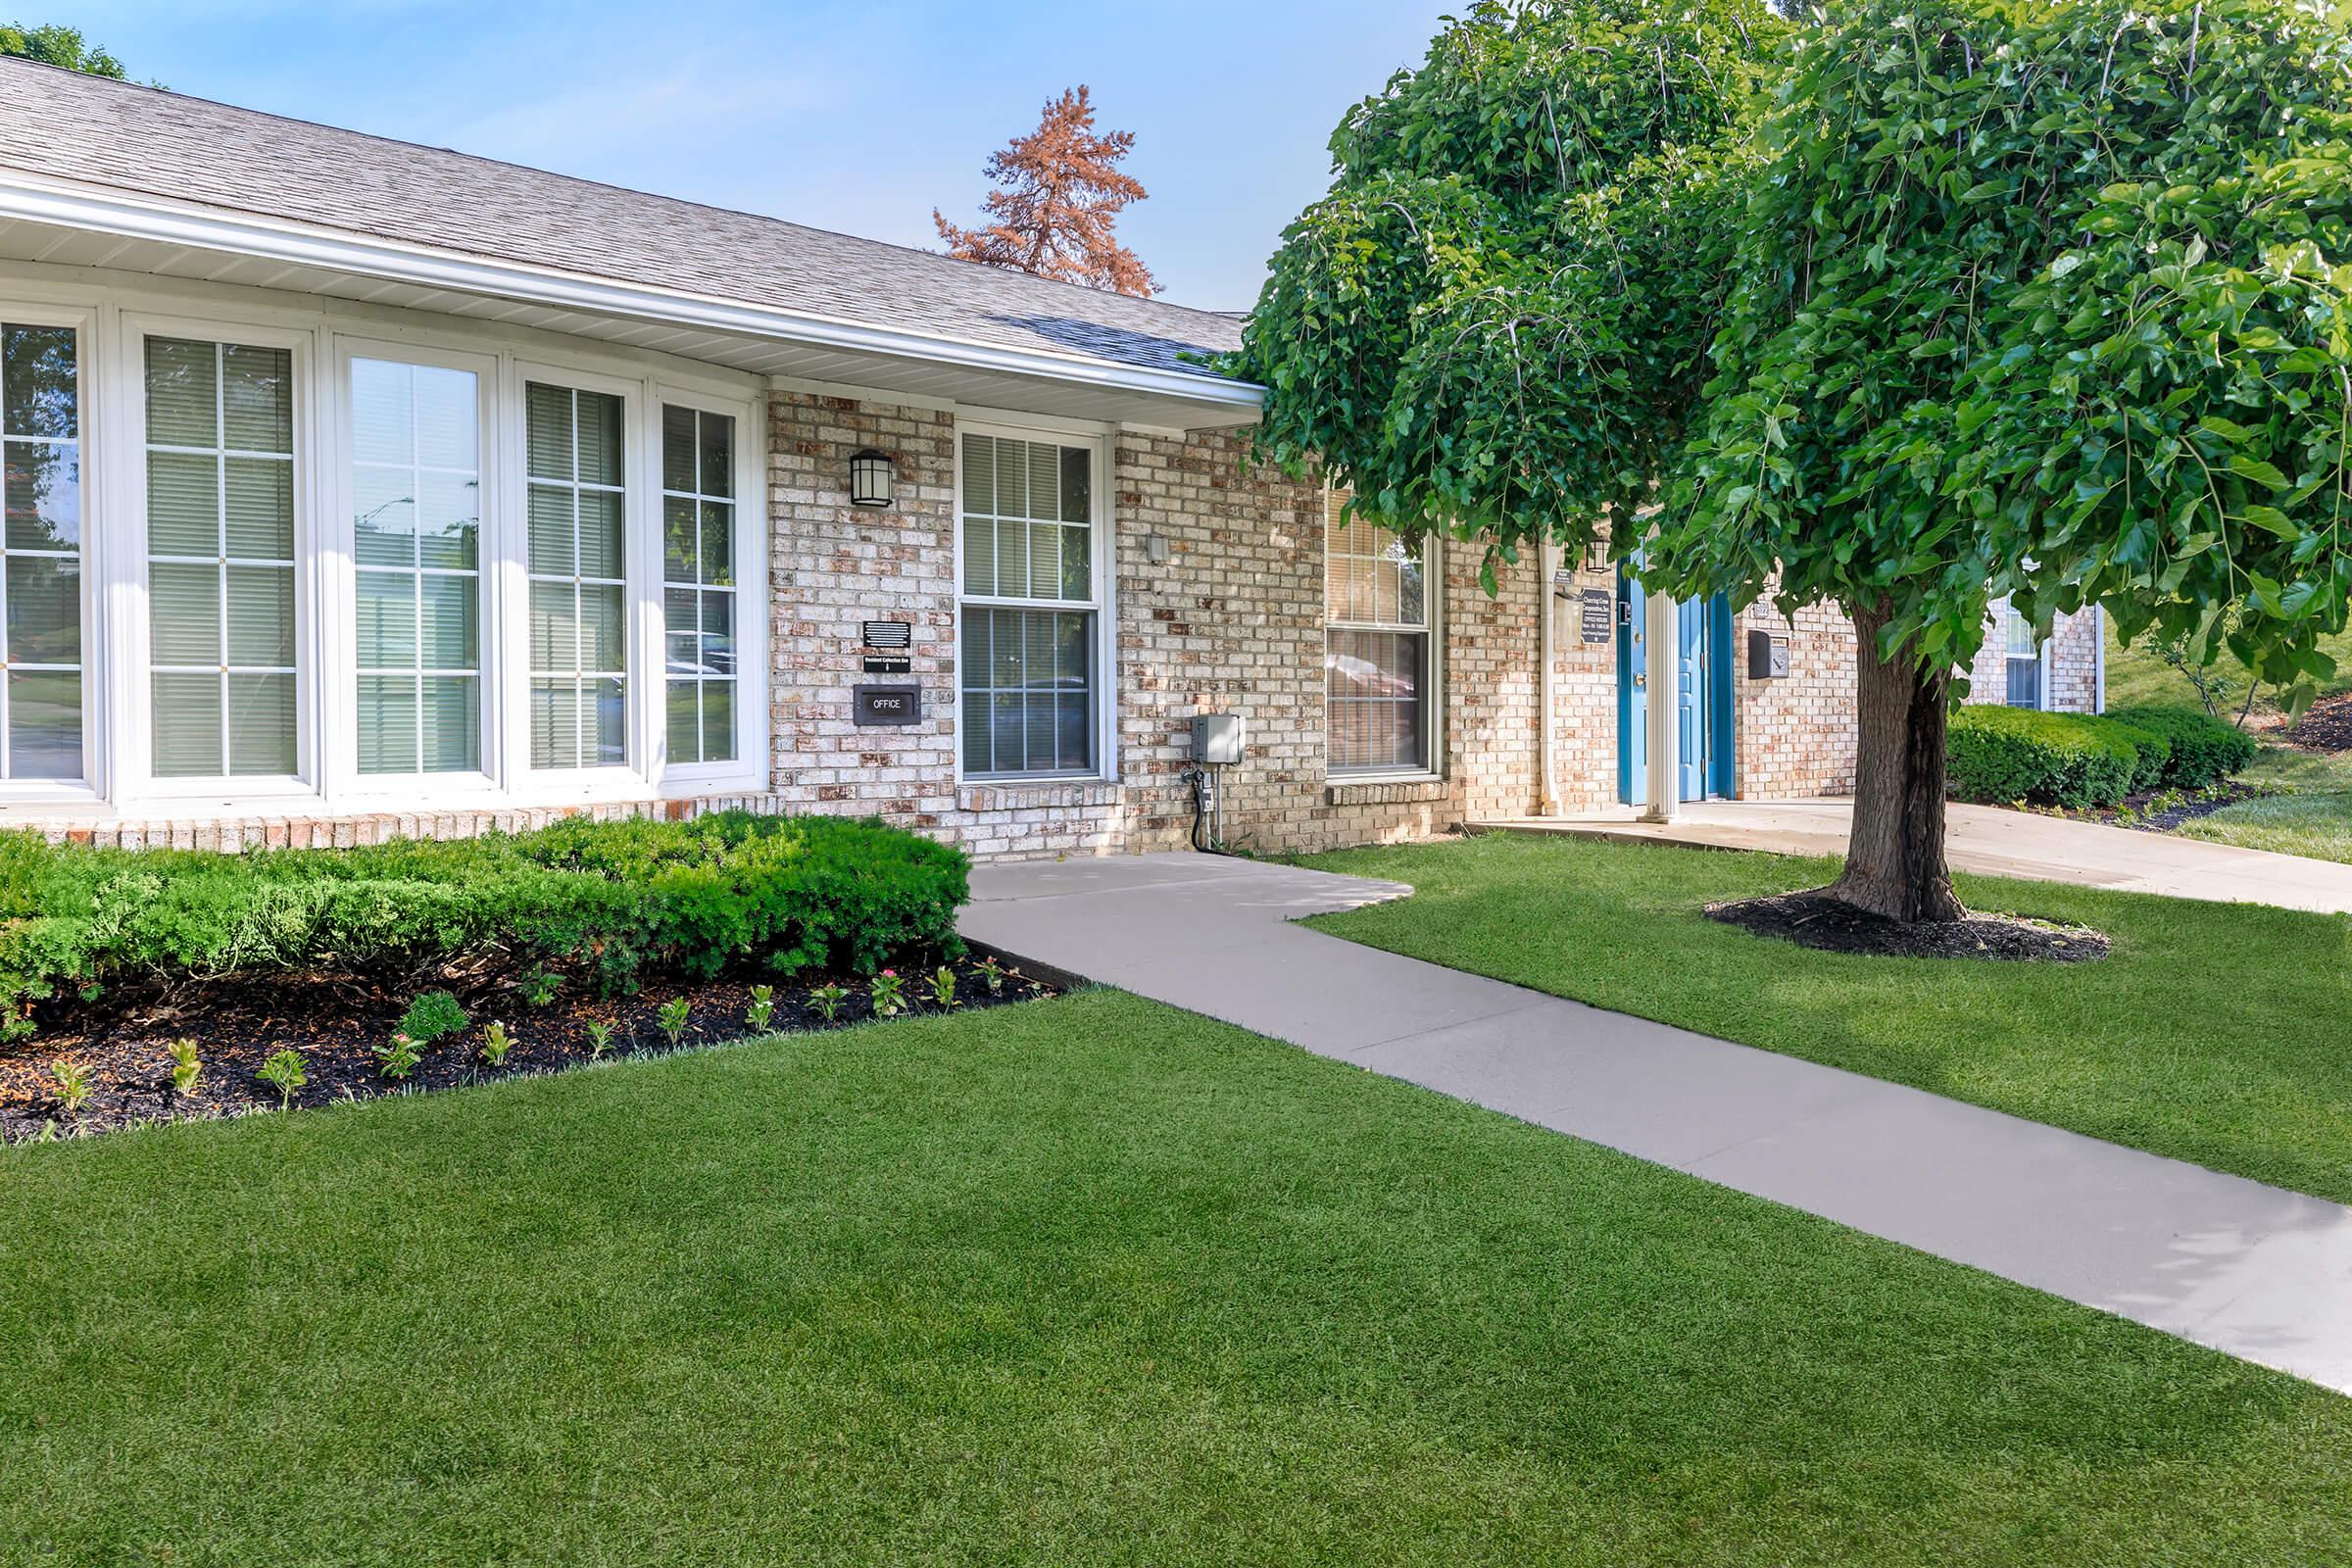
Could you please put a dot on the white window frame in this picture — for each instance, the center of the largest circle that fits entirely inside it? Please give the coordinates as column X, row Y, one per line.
column 1101, row 546
column 339, row 658
column 129, row 526
column 2042, row 654
column 753, row 653
column 1432, row 700
column 89, row 359
column 113, row 319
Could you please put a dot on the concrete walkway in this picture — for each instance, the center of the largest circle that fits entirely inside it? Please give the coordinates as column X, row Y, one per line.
column 1996, row 843
column 2247, row 1269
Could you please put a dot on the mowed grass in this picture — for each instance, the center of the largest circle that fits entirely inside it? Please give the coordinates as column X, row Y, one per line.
column 2216, row 1033
column 1087, row 1281
column 2135, row 675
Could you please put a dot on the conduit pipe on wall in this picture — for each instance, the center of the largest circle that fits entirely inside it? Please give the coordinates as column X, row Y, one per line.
column 1548, row 794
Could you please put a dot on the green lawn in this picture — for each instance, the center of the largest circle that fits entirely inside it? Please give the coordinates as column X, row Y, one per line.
column 1085, row 1281
column 2218, row 1034
column 2135, row 675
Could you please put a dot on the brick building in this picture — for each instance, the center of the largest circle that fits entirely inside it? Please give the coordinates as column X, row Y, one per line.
column 357, row 488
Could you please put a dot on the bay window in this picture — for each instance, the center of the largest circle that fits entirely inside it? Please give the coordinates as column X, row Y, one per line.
column 1377, row 657
column 40, row 552
column 317, row 569
column 1030, row 608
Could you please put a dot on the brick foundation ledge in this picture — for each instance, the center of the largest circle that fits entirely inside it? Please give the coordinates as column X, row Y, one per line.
column 1075, row 794
column 230, row 834
column 1393, row 792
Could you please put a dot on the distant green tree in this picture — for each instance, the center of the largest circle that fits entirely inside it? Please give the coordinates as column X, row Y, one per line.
column 55, row 44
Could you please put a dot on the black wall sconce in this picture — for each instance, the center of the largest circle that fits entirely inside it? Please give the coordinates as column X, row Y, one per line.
column 873, row 479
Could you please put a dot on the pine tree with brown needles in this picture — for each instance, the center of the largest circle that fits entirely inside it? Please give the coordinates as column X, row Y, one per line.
column 1063, row 192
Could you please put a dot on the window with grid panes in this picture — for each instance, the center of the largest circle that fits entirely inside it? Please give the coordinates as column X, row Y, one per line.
column 220, row 557
column 698, row 583
column 416, row 488
column 577, row 504
column 1027, row 663
column 1376, row 657
column 40, row 553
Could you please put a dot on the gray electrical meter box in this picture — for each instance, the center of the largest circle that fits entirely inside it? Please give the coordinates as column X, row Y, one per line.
column 1217, row 738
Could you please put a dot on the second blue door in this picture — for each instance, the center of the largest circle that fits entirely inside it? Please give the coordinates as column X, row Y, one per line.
column 1703, row 690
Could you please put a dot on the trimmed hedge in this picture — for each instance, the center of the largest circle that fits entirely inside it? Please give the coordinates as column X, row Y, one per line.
column 2204, row 750
column 1999, row 755
column 616, row 900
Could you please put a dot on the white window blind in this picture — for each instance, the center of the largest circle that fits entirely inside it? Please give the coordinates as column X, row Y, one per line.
column 220, row 557
column 578, row 570
column 698, row 583
column 416, row 550
column 1029, row 608
column 40, row 566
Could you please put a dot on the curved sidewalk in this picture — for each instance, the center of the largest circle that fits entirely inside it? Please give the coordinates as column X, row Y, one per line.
column 2251, row 1270
column 1992, row 842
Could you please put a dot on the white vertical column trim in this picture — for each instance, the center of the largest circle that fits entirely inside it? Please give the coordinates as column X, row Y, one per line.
column 1663, row 649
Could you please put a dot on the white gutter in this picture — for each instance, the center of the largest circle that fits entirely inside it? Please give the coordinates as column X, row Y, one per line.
column 2099, row 632
column 211, row 228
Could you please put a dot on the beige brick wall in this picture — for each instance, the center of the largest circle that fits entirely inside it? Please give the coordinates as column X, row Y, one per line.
column 1231, row 621
column 1795, row 737
column 2074, row 662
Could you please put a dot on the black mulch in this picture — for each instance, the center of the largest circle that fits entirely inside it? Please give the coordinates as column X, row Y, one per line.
column 1815, row 920
column 2324, row 727
column 119, row 1039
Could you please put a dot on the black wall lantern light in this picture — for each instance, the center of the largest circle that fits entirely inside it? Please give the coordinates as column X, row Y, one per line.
column 872, row 479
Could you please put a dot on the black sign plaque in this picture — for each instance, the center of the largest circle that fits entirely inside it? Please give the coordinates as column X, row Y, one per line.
column 886, row 704
column 1599, row 615
column 884, row 664
column 887, row 635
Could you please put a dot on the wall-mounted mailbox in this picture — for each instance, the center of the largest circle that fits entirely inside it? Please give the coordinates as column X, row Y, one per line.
column 1767, row 656
column 886, row 704
column 1217, row 738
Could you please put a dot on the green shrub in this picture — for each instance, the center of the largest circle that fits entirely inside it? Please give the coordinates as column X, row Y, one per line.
column 2155, row 751
column 615, row 901
column 431, row 1015
column 1999, row 755
column 2204, row 750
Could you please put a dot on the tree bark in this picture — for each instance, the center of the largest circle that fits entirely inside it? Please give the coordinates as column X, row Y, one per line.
column 1894, row 861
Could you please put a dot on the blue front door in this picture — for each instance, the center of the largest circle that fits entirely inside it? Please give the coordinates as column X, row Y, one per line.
column 1701, row 696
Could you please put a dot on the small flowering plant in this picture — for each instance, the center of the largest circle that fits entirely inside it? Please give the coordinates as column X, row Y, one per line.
column 672, row 1019
column 397, row 1056
column 600, row 1037
column 992, row 975
column 889, row 994
column 943, row 986
column 827, row 1000
column 762, row 1009
column 495, row 1043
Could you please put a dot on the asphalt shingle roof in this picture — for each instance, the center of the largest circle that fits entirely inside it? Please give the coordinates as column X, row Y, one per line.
column 141, row 139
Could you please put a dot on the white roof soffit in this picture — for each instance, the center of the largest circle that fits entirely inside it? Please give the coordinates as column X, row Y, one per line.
column 156, row 238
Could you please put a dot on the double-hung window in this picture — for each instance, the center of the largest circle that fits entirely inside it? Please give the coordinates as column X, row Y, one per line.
column 220, row 562
column 1377, row 655
column 2026, row 685
column 40, row 552
column 1031, row 605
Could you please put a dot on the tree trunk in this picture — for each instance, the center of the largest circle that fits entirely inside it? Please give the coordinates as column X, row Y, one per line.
column 1894, row 861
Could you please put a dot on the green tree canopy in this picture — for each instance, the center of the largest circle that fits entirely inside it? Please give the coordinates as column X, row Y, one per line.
column 1497, row 322
column 2044, row 300
column 57, row 45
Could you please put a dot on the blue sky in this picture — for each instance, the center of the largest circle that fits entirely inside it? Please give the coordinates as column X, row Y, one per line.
column 851, row 115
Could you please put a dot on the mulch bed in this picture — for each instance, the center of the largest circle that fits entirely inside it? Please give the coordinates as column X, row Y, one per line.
column 1816, row 920
column 120, row 1040
column 2325, row 726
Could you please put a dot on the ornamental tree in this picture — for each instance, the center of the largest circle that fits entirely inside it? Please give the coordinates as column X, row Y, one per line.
column 2044, row 300
column 1495, row 325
